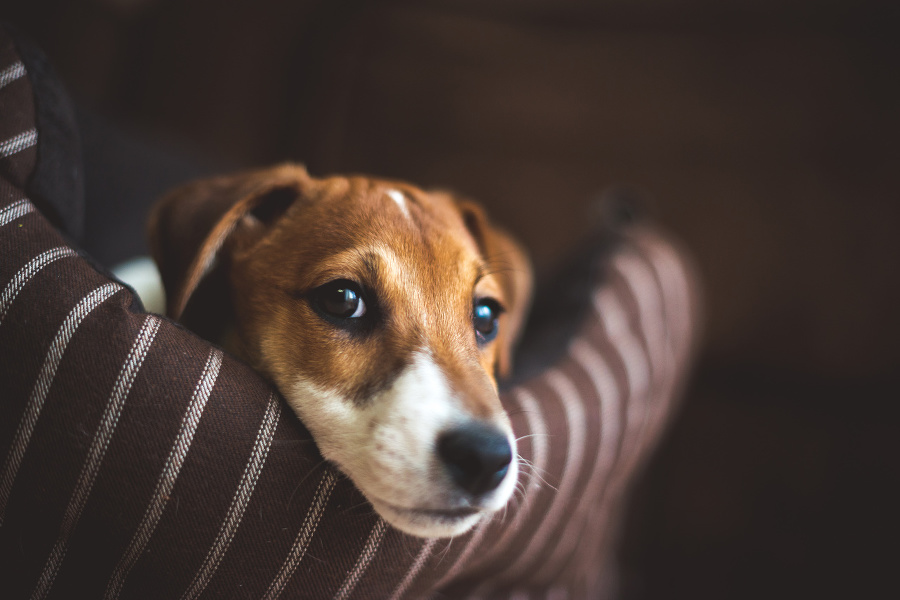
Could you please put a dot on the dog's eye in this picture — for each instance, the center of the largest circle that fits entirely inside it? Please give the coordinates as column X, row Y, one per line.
column 485, row 315
column 341, row 299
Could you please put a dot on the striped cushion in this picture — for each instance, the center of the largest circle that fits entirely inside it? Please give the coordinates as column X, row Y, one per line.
column 138, row 461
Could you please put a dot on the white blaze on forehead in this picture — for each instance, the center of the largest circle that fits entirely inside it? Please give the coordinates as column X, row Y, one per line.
column 406, row 278
column 398, row 197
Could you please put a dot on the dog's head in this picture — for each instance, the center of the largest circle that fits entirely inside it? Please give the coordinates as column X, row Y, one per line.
column 381, row 312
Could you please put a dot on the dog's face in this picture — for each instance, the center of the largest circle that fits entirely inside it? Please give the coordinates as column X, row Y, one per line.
column 381, row 312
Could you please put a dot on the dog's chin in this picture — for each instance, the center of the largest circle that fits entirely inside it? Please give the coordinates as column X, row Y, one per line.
column 428, row 522
column 437, row 518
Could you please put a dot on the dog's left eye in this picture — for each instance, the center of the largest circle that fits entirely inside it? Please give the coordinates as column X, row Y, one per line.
column 341, row 299
column 486, row 314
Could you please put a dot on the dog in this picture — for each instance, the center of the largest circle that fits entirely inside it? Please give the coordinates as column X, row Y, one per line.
column 383, row 314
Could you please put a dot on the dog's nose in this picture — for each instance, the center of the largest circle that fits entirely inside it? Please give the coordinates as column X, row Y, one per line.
column 476, row 455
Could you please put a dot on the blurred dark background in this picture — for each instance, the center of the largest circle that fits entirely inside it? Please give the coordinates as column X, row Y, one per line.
column 766, row 133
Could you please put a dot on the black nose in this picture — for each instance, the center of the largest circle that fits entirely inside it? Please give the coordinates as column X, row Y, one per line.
column 476, row 455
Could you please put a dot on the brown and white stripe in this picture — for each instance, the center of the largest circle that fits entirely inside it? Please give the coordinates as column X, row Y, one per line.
column 11, row 73
column 98, row 448
column 26, row 273
column 540, row 455
column 573, row 410
column 16, row 144
column 414, row 570
column 240, row 500
column 42, row 387
column 607, row 394
column 169, row 474
column 15, row 210
column 307, row 530
column 636, row 278
column 362, row 563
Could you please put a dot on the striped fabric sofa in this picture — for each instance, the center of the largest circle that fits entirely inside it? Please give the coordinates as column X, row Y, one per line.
column 139, row 461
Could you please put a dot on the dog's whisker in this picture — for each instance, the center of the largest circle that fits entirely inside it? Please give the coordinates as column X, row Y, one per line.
column 410, row 546
column 520, row 488
column 524, row 462
column 518, row 497
column 534, row 472
column 446, row 551
column 357, row 506
column 531, row 435
column 315, row 468
column 535, row 475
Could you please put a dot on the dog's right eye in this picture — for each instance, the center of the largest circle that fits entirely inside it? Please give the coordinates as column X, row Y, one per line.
column 341, row 299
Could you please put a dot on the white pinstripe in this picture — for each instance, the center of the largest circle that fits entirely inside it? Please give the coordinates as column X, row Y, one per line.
column 414, row 570
column 304, row 536
column 640, row 279
column 652, row 348
column 42, row 387
column 674, row 323
column 540, row 443
column 663, row 290
column 11, row 73
column 615, row 322
column 25, row 274
column 648, row 290
column 16, row 144
column 573, row 408
column 362, row 563
column 239, row 502
column 15, row 210
column 652, row 295
column 673, row 274
column 608, row 396
column 638, row 365
column 169, row 474
column 97, row 451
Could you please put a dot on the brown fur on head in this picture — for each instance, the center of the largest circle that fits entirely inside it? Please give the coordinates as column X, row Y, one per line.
column 421, row 262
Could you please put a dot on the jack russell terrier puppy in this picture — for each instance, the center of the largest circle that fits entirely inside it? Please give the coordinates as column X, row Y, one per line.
column 380, row 311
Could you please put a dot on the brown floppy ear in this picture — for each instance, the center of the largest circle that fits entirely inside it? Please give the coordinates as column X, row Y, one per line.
column 189, row 227
column 508, row 262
